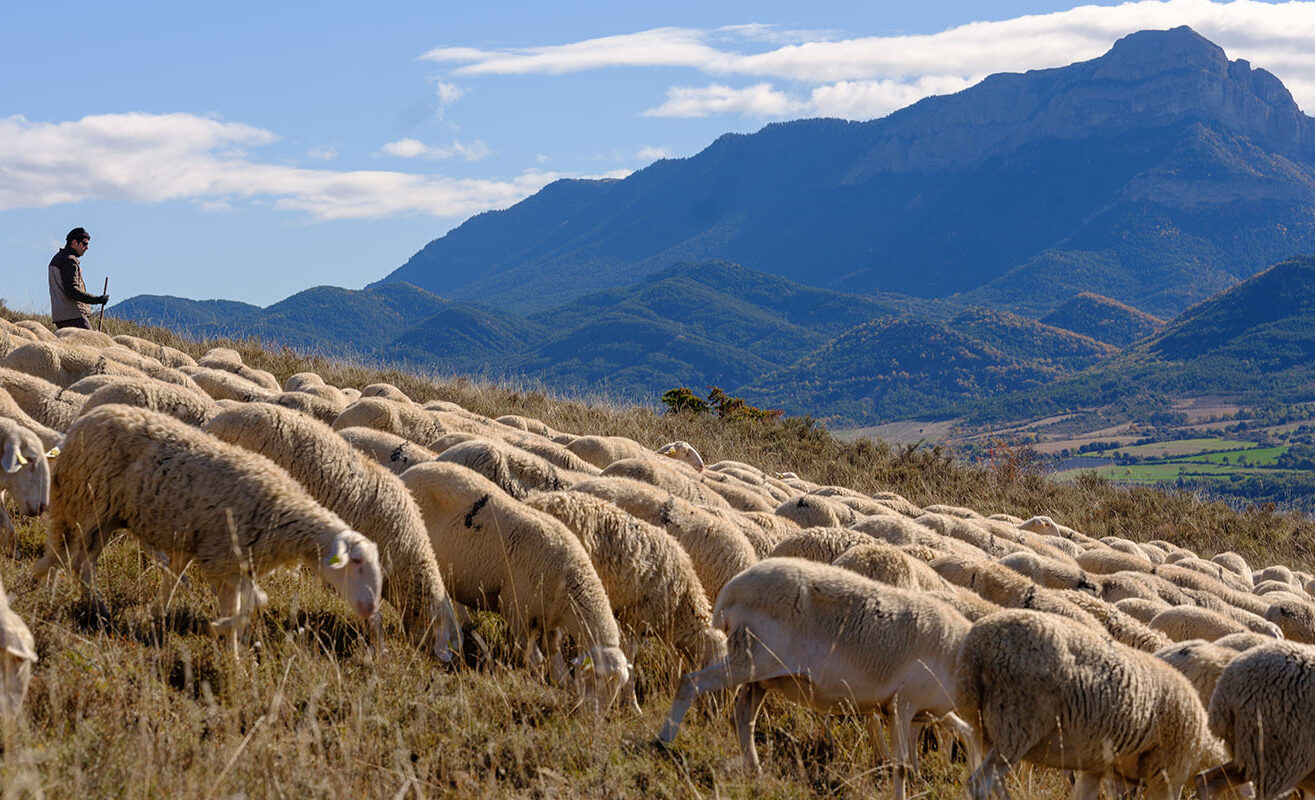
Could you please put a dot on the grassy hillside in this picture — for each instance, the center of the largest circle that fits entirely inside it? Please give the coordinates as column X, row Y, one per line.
column 153, row 706
column 1103, row 319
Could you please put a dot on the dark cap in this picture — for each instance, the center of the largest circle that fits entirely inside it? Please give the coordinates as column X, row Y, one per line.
column 77, row 233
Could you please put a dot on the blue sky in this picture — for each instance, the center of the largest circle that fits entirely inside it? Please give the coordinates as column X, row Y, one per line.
column 250, row 150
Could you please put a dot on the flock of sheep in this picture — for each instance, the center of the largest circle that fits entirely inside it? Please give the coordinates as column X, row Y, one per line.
column 1130, row 664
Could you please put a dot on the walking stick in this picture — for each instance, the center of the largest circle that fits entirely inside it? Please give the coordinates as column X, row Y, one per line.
column 104, row 291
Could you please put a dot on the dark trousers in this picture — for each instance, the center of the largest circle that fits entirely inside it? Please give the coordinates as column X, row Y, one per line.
column 79, row 322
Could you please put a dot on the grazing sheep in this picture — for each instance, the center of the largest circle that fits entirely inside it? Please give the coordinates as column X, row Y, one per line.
column 168, row 356
column 739, row 495
column 190, row 407
column 401, row 419
column 452, row 439
column 45, row 402
column 394, row 452
column 302, row 380
column 1202, row 586
column 312, row 405
column 350, row 394
column 10, row 409
column 890, row 565
column 667, row 476
column 223, row 385
column 819, row 544
column 1046, row 526
column 1200, row 661
column 718, row 549
column 952, row 511
column 866, row 506
column 1141, row 609
column 1234, row 563
column 772, row 531
column 1104, row 562
column 1263, row 707
column 84, row 337
column 683, row 452
column 1268, row 587
column 24, row 475
column 1125, row 628
column 39, row 332
column 1124, row 546
column 650, row 580
column 1278, row 572
column 515, row 471
column 1181, row 623
column 233, row 513
column 1217, row 571
column 386, row 391
column 553, row 453
column 1010, row 518
column 61, row 363
column 18, row 652
column 603, row 450
column 367, row 497
column 499, row 554
column 1039, row 689
column 529, row 424
column 229, row 360
column 835, row 641
column 1154, row 554
column 1118, row 586
column 1295, row 617
column 897, row 502
column 966, row 531
column 1007, row 588
column 901, row 530
column 1050, row 573
column 816, row 511
column 1241, row 642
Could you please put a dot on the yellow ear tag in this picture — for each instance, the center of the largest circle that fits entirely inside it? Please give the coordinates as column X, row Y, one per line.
column 335, row 560
column 21, row 461
column 53, row 452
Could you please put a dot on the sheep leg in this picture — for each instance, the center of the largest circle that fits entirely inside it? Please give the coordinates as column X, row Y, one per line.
column 230, row 611
column 877, row 733
column 987, row 779
column 693, row 684
column 1087, row 786
column 8, row 533
column 967, row 736
column 901, row 731
column 748, row 703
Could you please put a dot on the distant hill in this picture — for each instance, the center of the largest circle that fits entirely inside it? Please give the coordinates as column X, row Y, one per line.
column 1255, row 341
column 1103, row 319
column 1157, row 175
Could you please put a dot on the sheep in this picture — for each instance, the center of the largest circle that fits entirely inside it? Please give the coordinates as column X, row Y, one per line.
column 351, row 395
column 496, row 553
column 819, row 544
column 1124, row 546
column 965, row 531
column 10, row 409
column 302, row 380
column 84, row 337
column 553, row 453
column 18, row 652
column 526, row 424
column 1141, row 609
column 233, row 513
column 515, row 471
column 718, row 550
column 683, row 452
column 666, row 476
column 24, row 475
column 773, row 529
column 61, row 363
column 390, row 450
column 739, row 495
column 1263, row 707
column 1007, row 588
column 190, row 407
column 45, row 402
column 1047, row 526
column 1200, row 661
column 1234, row 563
column 1154, row 554
column 367, row 497
column 1050, row 573
column 223, row 385
column 1295, row 617
column 168, row 356
column 1203, row 586
column 901, row 530
column 39, row 332
column 1125, row 628
column 866, row 506
column 810, row 510
column 1118, row 586
column 1041, row 690
column 1278, row 572
column 1010, row 518
column 1181, row 623
column 888, row 564
column 952, row 511
column 1241, row 642
column 387, row 391
column 312, row 405
column 402, row 419
column 229, row 360
column 1104, row 562
column 1268, row 587
column 649, row 578
column 603, row 450
column 442, row 443
column 898, row 503
column 835, row 641
column 761, row 541
column 1217, row 571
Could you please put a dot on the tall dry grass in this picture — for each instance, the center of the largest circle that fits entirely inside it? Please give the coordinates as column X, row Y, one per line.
column 144, row 705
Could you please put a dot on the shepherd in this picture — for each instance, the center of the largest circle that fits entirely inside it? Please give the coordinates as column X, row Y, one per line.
column 70, row 305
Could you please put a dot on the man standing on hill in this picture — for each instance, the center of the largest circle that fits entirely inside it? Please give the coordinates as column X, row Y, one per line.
column 70, row 305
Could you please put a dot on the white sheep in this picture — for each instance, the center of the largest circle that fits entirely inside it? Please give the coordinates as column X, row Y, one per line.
column 18, row 653
column 498, row 554
column 168, row 356
column 387, row 391
column 834, row 641
column 367, row 497
column 84, row 337
column 819, row 544
column 61, row 363
column 193, row 408
column 1039, row 689
column 1140, row 608
column 650, row 580
column 10, row 409
column 1181, row 623
column 229, row 360
column 407, row 420
column 223, row 385
column 529, row 424
column 312, row 405
column 45, row 402
column 1050, row 573
column 1125, row 628
column 817, row 511
column 231, row 512
column 515, row 471
column 683, row 452
column 1295, row 617
column 603, row 450
column 390, row 450
column 38, row 332
column 1263, row 707
column 669, row 476
column 718, row 549
column 1236, row 563
column 897, row 502
column 553, row 453
column 1200, row 661
column 24, row 476
column 888, row 564
column 739, row 495
column 303, row 380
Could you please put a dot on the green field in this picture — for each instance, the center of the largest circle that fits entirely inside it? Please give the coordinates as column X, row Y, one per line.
column 1180, row 447
column 1256, row 456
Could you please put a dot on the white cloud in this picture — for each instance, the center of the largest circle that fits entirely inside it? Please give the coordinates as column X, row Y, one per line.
column 326, row 153
column 154, row 158
column 449, row 92
column 414, row 148
column 653, row 153
column 759, row 100
column 864, row 73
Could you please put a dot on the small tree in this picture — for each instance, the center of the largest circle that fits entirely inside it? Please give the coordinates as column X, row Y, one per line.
column 682, row 399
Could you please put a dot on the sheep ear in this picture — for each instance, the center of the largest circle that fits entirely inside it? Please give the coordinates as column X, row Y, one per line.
column 53, row 453
column 585, row 662
column 12, row 460
column 338, row 558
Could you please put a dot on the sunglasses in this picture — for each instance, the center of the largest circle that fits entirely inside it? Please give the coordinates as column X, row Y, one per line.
column 86, row 242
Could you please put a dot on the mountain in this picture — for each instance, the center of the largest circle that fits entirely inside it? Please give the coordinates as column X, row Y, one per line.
column 1255, row 341
column 892, row 368
column 1103, row 319
column 1157, row 175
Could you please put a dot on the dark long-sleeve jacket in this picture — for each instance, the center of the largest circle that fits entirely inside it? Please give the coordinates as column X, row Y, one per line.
column 68, row 294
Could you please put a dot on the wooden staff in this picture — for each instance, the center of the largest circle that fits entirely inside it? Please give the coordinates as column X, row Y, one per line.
column 104, row 291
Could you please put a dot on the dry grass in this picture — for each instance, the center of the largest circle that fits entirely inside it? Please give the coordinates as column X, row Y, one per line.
column 144, row 706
